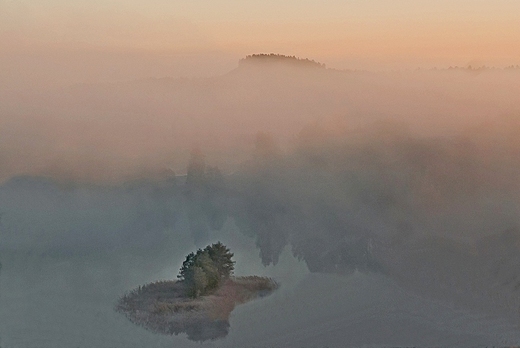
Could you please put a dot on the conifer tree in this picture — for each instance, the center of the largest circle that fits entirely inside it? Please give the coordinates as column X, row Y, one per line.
column 205, row 270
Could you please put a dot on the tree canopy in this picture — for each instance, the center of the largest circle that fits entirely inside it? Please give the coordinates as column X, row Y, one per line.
column 204, row 270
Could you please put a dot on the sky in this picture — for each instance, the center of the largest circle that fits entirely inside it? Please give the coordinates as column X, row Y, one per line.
column 199, row 37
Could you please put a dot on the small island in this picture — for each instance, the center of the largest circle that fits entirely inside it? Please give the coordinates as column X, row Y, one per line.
column 200, row 301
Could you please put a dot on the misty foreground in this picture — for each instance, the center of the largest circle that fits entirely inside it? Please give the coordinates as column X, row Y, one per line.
column 163, row 307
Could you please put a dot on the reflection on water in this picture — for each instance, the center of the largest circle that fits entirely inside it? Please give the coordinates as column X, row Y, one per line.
column 0, row 296
column 203, row 330
column 59, row 300
column 197, row 329
column 49, row 301
column 62, row 302
column 164, row 308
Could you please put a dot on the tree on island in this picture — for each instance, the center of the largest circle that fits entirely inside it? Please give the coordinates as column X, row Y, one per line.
column 205, row 270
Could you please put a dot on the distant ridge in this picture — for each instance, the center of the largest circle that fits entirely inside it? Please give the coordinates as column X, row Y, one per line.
column 272, row 58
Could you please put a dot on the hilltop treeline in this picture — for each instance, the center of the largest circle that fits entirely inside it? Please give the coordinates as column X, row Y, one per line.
column 280, row 58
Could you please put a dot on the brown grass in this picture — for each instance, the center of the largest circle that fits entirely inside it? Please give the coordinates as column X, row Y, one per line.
column 163, row 307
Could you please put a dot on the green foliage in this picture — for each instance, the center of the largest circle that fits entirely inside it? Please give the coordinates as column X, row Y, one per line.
column 210, row 271
column 204, row 271
column 199, row 283
column 221, row 256
column 186, row 272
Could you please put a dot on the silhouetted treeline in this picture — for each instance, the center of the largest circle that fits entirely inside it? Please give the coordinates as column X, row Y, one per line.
column 205, row 200
column 338, row 197
column 483, row 68
column 280, row 58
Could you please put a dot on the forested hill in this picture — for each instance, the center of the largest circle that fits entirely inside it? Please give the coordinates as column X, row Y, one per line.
column 280, row 59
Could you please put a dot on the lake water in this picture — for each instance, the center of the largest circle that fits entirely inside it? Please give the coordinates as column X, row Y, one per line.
column 67, row 256
column 67, row 301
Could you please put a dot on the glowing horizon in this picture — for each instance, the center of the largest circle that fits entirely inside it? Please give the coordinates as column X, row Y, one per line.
column 402, row 34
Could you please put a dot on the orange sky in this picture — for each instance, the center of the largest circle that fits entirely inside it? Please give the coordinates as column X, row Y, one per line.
column 56, row 43
column 370, row 34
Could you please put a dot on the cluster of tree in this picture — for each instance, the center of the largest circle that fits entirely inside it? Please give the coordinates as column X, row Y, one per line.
column 203, row 192
column 205, row 270
column 483, row 67
column 263, row 57
column 338, row 196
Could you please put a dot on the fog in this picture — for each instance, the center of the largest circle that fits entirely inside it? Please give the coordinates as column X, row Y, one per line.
column 377, row 199
column 118, row 131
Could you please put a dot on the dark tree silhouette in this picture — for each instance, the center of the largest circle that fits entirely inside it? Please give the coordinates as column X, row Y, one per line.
column 280, row 58
column 196, row 169
column 205, row 197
